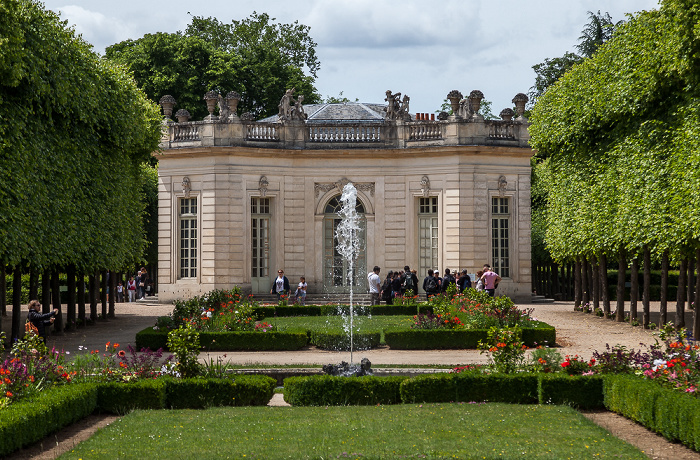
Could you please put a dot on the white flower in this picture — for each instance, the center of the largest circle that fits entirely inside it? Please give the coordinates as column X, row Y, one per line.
column 659, row 364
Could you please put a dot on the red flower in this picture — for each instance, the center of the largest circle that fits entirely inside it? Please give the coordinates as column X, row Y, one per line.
column 122, row 353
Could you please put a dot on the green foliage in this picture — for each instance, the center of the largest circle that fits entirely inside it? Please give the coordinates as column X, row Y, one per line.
column 339, row 340
column 74, row 129
column 467, row 387
column 227, row 341
column 505, row 347
column 256, row 57
column 580, row 392
column 241, row 390
column 327, row 390
column 121, row 398
column 545, row 359
column 621, row 139
column 184, row 343
column 32, row 419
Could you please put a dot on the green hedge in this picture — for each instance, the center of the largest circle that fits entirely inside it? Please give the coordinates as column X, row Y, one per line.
column 122, row 398
column 32, row 419
column 466, row 387
column 670, row 413
column 327, row 390
column 432, row 339
column 226, row 341
column 582, row 392
column 339, row 340
column 241, row 390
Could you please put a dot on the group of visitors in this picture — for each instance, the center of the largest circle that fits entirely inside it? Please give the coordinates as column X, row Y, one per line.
column 136, row 287
column 398, row 283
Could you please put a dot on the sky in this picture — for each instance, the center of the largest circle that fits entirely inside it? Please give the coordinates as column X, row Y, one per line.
column 367, row 47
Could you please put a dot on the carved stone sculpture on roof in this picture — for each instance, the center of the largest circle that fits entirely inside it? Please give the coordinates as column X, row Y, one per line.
column 285, row 106
column 297, row 111
column 397, row 109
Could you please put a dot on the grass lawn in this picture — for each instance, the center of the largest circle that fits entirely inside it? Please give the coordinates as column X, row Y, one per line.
column 360, row 323
column 402, row 431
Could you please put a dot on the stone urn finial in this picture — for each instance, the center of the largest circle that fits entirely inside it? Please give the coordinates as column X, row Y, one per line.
column 167, row 102
column 520, row 100
column 507, row 114
column 475, row 98
column 182, row 115
column 232, row 100
column 212, row 97
column 454, row 97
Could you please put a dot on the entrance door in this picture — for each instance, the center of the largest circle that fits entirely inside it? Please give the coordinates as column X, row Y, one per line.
column 335, row 267
column 260, row 245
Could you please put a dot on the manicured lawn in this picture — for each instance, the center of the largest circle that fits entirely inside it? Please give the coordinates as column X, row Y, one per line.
column 402, row 431
column 360, row 323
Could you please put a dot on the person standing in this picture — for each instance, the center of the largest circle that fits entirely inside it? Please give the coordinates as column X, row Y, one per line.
column 491, row 280
column 39, row 320
column 464, row 281
column 447, row 280
column 430, row 285
column 280, row 285
column 386, row 288
column 131, row 289
column 120, row 292
column 409, row 281
column 143, row 282
column 479, row 280
column 374, row 285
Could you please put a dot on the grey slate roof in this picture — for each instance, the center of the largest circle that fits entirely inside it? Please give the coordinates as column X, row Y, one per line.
column 344, row 112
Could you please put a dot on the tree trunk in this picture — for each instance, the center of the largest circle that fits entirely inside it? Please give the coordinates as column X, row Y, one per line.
column 556, row 285
column 647, row 287
column 93, row 297
column 663, row 308
column 696, row 314
column 634, row 289
column 3, row 292
column 33, row 283
column 46, row 290
column 16, row 332
column 585, row 294
column 112, row 292
column 103, row 295
column 81, row 299
column 56, row 301
column 680, row 294
column 690, row 281
column 577, row 283
column 603, row 288
column 621, row 276
column 595, row 285
column 70, row 306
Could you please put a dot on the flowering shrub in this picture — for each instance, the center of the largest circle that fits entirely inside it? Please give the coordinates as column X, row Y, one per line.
column 264, row 327
column 427, row 321
column 545, row 359
column 184, row 342
column 506, row 349
column 114, row 365
column 470, row 368
column 574, row 365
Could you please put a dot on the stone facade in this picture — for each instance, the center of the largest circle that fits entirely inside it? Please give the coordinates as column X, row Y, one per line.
column 429, row 192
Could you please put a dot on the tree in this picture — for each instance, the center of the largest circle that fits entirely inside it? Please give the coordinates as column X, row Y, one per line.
column 597, row 31
column 257, row 58
column 621, row 139
column 74, row 130
column 338, row 100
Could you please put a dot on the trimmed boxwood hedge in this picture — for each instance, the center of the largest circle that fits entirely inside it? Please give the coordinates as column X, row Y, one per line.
column 227, row 341
column 431, row 339
column 674, row 415
column 581, row 392
column 466, row 387
column 199, row 393
column 327, row 390
column 32, row 419
column 122, row 398
column 339, row 340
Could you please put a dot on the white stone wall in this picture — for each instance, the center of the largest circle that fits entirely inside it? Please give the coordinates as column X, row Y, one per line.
column 464, row 178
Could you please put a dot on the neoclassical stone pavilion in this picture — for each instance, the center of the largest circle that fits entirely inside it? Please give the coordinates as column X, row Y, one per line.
column 240, row 199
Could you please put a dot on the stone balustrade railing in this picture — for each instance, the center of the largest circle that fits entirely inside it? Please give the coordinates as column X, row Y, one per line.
column 303, row 135
column 344, row 133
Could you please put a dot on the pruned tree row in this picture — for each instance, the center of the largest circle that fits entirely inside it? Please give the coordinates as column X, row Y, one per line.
column 75, row 132
column 620, row 134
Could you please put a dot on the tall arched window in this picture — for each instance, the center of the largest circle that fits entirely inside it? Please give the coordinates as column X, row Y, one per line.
column 335, row 268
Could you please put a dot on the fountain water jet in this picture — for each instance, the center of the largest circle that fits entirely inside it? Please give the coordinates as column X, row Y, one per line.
column 348, row 242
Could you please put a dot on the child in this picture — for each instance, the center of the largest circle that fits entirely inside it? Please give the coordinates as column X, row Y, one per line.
column 120, row 292
column 301, row 291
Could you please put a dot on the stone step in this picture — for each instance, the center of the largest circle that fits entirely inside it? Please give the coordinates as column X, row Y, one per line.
column 540, row 299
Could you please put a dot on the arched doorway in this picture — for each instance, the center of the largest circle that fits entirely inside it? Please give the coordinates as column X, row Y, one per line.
column 335, row 268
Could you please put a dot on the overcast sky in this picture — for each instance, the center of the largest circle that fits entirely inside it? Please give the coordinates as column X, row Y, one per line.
column 420, row 48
